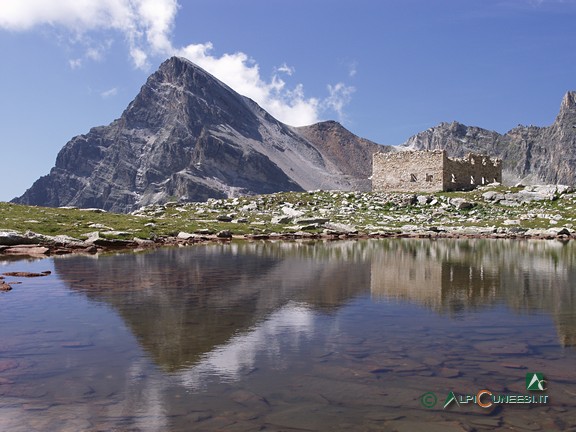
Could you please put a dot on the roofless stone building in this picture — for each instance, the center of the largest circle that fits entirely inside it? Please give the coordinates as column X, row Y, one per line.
column 432, row 171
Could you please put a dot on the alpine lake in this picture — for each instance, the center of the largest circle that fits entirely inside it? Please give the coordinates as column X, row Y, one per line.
column 367, row 335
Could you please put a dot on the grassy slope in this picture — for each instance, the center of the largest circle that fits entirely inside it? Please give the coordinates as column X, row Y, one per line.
column 369, row 212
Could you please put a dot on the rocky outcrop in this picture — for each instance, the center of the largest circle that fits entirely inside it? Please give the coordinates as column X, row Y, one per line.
column 530, row 154
column 188, row 137
column 352, row 154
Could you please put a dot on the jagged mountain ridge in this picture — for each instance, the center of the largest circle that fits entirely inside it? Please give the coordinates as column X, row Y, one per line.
column 188, row 136
column 530, row 154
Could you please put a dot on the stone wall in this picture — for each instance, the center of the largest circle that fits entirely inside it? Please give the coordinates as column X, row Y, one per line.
column 432, row 171
column 471, row 171
column 407, row 171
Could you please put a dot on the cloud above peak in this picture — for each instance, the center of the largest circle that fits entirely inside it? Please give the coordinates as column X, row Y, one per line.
column 146, row 26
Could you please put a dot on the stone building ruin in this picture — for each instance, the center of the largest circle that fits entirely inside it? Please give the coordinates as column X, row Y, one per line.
column 432, row 171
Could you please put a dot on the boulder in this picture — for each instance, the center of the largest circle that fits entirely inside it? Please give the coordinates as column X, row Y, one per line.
column 91, row 237
column 461, row 203
column 340, row 227
column 185, row 236
column 91, row 249
column 224, row 234
column 10, row 238
column 535, row 232
column 407, row 200
column 113, row 243
column 423, row 199
column 558, row 231
column 492, row 196
column 281, row 219
column 289, row 211
column 310, row 221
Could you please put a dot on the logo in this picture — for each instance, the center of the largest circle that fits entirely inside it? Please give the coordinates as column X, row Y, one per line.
column 451, row 398
column 535, row 381
column 485, row 398
column 428, row 400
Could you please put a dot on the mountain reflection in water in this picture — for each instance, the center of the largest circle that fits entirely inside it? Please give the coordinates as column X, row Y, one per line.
column 182, row 303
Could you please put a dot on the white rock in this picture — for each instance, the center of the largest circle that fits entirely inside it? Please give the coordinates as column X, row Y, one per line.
column 185, row 236
column 289, row 211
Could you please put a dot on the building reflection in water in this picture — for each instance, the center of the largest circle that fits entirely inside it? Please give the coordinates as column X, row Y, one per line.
column 451, row 277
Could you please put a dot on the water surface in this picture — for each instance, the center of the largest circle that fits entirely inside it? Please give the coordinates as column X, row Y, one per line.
column 291, row 336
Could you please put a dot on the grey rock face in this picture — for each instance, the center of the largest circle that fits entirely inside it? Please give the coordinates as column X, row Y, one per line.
column 531, row 154
column 189, row 137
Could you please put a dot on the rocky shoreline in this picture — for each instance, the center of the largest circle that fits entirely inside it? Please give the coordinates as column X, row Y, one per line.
column 522, row 212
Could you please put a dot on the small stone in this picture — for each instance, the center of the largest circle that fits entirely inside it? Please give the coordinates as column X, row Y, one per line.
column 224, row 234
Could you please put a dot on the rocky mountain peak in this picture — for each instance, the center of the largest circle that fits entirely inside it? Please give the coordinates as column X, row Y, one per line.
column 568, row 109
column 188, row 136
column 569, row 101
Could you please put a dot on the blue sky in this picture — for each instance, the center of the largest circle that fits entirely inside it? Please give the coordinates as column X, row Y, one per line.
column 385, row 69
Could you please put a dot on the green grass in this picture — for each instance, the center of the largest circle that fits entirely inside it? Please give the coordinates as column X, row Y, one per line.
column 367, row 211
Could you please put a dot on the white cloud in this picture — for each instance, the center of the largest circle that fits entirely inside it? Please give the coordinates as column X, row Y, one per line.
column 109, row 93
column 145, row 23
column 352, row 69
column 147, row 27
column 340, row 95
column 243, row 75
column 75, row 63
column 285, row 69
